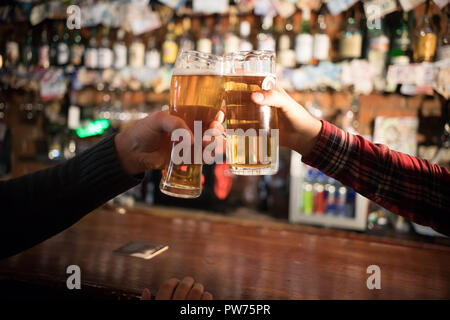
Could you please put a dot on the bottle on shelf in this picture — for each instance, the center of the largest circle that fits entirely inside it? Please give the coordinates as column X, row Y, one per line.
column 425, row 38
column 28, row 51
column 400, row 53
column 341, row 200
column 304, row 41
column 350, row 45
column 105, row 53
column 266, row 40
column 330, row 195
column 12, row 50
column 44, row 50
column 232, row 41
column 444, row 45
column 321, row 39
column 204, row 43
column 186, row 41
column 91, row 53
column 286, row 52
column 244, row 31
column 63, row 55
column 319, row 202
column 137, row 53
column 217, row 37
column 77, row 49
column 152, row 55
column 307, row 206
column 120, row 50
column 169, row 46
column 377, row 53
column 54, row 45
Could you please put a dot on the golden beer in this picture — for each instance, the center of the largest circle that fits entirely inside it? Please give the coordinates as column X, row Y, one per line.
column 252, row 146
column 193, row 97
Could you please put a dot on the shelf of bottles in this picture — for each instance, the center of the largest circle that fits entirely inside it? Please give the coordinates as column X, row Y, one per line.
column 318, row 199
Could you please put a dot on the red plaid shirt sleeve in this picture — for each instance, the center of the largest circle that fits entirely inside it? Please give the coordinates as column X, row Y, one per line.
column 411, row 187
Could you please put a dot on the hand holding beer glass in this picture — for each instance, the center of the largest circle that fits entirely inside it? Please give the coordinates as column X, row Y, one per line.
column 252, row 130
column 196, row 94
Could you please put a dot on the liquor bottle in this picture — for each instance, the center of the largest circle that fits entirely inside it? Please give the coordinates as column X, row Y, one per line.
column 28, row 51
column 91, row 54
column 120, row 50
column 217, row 38
column 54, row 45
column 377, row 52
column 44, row 50
column 2, row 55
column 244, row 31
column 105, row 53
column 204, row 43
column 76, row 49
column 169, row 46
column 152, row 55
column 401, row 43
column 137, row 53
column 12, row 50
column 232, row 41
column 425, row 38
column 286, row 52
column 350, row 45
column 444, row 45
column 266, row 40
column 304, row 41
column 321, row 39
column 63, row 57
column 186, row 41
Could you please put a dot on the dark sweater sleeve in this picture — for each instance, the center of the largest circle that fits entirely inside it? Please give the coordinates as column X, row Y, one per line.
column 37, row 206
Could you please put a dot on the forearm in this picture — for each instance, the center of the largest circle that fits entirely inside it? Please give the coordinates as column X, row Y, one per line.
column 408, row 186
column 39, row 205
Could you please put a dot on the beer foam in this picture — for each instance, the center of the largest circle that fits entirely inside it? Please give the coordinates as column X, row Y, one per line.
column 249, row 74
column 195, row 72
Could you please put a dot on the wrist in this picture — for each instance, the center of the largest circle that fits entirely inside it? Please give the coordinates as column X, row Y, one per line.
column 125, row 154
column 307, row 138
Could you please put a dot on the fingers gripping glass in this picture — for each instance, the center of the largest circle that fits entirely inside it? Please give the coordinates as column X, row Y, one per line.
column 196, row 94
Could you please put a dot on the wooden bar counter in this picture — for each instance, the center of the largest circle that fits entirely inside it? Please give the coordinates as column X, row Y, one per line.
column 234, row 259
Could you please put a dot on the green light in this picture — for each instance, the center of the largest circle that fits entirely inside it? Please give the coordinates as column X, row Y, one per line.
column 93, row 128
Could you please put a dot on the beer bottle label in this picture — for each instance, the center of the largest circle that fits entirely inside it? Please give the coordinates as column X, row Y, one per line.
column 91, row 58
column 426, row 47
column 77, row 54
column 137, row 54
column 170, row 51
column 120, row 56
column 105, row 58
column 63, row 53
column 304, row 48
column 153, row 59
column 44, row 57
column 350, row 47
column 12, row 51
column 321, row 46
column 204, row 45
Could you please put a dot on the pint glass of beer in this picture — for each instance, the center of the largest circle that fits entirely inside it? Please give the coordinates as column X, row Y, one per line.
column 196, row 94
column 251, row 129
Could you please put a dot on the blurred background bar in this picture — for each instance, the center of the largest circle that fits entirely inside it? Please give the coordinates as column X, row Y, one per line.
column 377, row 68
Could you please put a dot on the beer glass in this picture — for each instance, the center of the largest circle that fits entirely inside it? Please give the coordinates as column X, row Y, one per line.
column 196, row 94
column 251, row 129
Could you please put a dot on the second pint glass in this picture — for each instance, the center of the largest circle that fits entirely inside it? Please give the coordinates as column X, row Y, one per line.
column 252, row 130
column 196, row 94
